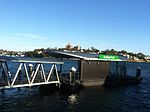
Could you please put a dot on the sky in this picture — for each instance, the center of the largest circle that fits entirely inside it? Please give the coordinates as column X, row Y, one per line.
column 103, row 24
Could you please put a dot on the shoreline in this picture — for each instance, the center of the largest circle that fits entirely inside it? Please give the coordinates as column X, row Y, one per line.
column 147, row 61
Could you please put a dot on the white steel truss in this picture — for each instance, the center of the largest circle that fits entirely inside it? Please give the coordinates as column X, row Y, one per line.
column 28, row 79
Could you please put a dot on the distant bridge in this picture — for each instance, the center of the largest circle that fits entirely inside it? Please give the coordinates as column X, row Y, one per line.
column 26, row 75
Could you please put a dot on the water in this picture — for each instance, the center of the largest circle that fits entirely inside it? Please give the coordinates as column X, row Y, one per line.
column 133, row 98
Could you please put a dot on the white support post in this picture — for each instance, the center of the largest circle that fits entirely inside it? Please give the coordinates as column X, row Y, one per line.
column 19, row 68
column 38, row 66
column 43, row 72
column 49, row 75
column 57, row 73
column 25, row 68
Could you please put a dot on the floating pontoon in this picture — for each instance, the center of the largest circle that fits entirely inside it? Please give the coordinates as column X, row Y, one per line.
column 98, row 69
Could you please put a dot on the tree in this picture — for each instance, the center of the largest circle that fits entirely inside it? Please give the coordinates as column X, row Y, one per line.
column 113, row 52
column 141, row 56
column 94, row 49
column 123, row 52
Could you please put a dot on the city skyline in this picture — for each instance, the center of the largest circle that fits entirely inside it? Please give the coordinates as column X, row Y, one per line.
column 110, row 24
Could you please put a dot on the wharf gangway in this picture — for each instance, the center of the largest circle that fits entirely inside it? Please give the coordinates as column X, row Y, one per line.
column 26, row 75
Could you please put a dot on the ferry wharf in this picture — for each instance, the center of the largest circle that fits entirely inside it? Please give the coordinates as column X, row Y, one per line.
column 93, row 70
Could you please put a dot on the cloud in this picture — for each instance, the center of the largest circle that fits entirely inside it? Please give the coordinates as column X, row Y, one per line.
column 29, row 36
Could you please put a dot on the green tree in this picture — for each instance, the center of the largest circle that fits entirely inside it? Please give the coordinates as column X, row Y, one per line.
column 124, row 52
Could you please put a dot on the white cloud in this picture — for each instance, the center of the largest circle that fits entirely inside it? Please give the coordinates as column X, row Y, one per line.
column 28, row 36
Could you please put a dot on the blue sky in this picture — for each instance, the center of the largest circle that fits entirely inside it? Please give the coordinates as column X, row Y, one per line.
column 103, row 24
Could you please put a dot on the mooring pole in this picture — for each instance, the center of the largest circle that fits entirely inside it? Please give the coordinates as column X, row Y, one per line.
column 72, row 75
column 138, row 72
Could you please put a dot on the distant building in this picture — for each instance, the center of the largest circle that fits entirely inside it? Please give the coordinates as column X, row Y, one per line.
column 125, row 55
column 39, row 52
column 69, row 46
column 136, row 58
column 147, row 57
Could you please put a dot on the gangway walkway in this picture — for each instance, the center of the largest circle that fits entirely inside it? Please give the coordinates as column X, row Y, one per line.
column 27, row 77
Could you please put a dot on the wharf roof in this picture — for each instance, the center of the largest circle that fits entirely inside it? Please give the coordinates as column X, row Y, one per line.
column 81, row 56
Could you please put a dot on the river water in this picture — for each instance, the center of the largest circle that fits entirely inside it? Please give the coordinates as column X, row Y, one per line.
column 132, row 98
